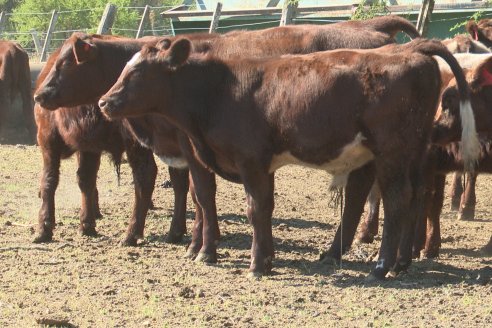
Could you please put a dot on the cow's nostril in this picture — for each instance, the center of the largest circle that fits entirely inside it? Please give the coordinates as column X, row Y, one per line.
column 102, row 103
column 37, row 98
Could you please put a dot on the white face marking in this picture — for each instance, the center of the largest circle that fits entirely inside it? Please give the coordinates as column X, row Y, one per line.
column 176, row 162
column 133, row 60
column 353, row 156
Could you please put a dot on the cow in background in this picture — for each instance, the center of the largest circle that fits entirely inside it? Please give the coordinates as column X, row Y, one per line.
column 15, row 79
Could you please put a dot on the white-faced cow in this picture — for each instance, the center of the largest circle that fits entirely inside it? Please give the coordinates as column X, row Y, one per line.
column 335, row 110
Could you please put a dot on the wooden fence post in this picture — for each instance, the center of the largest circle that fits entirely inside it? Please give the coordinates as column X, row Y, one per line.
column 215, row 19
column 424, row 16
column 141, row 27
column 37, row 43
column 288, row 12
column 107, row 19
column 3, row 21
column 47, row 40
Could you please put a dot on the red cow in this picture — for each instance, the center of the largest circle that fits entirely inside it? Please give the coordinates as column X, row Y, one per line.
column 334, row 110
column 158, row 135
column 481, row 31
column 84, row 130
column 15, row 78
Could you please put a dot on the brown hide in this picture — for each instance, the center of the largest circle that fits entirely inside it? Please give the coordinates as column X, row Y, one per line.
column 84, row 130
column 155, row 132
column 15, row 79
column 246, row 118
column 481, row 31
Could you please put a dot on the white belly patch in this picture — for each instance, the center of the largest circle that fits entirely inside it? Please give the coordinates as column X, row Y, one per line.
column 353, row 156
column 176, row 162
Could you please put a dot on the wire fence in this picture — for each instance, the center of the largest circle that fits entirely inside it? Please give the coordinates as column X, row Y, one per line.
column 129, row 22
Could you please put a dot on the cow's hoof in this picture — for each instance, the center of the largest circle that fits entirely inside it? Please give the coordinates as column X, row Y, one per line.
column 466, row 216
column 430, row 253
column 173, row 238
column 88, row 231
column 377, row 274
column 98, row 215
column 129, row 242
column 43, row 237
column 365, row 238
column 254, row 275
column 206, row 258
column 328, row 258
column 190, row 253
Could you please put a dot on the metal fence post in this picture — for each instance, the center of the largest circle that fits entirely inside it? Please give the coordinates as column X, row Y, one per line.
column 37, row 43
column 107, row 19
column 141, row 26
column 215, row 19
column 424, row 16
column 288, row 12
column 47, row 40
column 3, row 21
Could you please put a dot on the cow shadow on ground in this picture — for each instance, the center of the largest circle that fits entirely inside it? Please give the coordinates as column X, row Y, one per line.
column 288, row 222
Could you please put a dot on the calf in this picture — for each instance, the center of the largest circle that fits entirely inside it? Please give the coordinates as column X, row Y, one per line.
column 157, row 133
column 334, row 110
column 15, row 79
column 84, row 130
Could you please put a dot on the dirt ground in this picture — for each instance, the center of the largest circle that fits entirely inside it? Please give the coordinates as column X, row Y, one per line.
column 94, row 282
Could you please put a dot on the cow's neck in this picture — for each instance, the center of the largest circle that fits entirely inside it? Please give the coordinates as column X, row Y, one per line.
column 196, row 91
column 114, row 56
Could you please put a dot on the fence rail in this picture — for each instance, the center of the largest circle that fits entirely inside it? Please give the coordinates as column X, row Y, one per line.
column 149, row 20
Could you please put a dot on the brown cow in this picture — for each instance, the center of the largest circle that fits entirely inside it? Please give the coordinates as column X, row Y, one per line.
column 335, row 110
column 84, row 130
column 157, row 134
column 15, row 78
column 481, row 31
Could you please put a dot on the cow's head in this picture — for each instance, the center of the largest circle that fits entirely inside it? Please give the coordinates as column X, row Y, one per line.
column 146, row 82
column 447, row 125
column 75, row 75
column 481, row 31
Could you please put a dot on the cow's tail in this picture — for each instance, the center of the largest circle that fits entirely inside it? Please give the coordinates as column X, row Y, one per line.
column 469, row 137
column 393, row 24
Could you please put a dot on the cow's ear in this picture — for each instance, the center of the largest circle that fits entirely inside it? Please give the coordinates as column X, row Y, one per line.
column 472, row 28
column 179, row 52
column 83, row 50
column 164, row 44
column 482, row 74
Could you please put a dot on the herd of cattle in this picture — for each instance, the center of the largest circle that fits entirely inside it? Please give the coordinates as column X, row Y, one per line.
column 386, row 120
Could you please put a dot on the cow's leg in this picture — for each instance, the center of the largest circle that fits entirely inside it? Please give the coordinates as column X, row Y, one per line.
column 97, row 210
column 370, row 224
column 396, row 192
column 416, row 214
column 487, row 249
column 49, row 183
column 359, row 184
column 86, row 177
column 180, row 184
column 205, row 189
column 144, row 171
column 421, row 224
column 196, row 236
column 259, row 187
column 433, row 235
column 456, row 191
column 468, row 198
